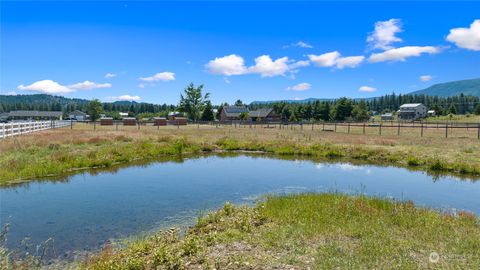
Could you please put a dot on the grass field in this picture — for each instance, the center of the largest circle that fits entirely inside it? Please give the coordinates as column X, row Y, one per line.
column 309, row 231
column 55, row 152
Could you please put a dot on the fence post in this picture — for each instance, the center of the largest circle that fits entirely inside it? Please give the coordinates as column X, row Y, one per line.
column 364, row 128
column 94, row 124
column 348, row 127
column 380, row 129
column 421, row 132
column 446, row 130
column 398, row 129
column 478, row 133
column 335, row 127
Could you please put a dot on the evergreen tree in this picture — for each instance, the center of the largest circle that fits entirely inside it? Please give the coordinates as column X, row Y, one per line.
column 94, row 109
column 477, row 109
column 452, row 109
column 293, row 118
column 342, row 109
column 207, row 114
column 359, row 112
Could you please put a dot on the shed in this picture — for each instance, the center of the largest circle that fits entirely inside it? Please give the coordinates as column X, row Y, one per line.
column 106, row 121
column 159, row 121
column 179, row 121
column 230, row 113
column 387, row 116
column 431, row 113
column 129, row 121
column 77, row 115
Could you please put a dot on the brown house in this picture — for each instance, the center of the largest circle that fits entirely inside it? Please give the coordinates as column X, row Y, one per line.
column 231, row 113
column 264, row 115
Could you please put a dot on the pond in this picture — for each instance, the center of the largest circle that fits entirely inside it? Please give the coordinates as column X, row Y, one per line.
column 89, row 209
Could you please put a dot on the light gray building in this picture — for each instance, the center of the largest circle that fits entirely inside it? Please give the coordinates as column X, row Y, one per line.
column 412, row 111
column 34, row 115
column 77, row 115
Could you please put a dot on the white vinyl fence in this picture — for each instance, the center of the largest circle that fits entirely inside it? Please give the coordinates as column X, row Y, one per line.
column 18, row 128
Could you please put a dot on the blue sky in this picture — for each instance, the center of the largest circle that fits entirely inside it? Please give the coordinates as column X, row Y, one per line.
column 250, row 50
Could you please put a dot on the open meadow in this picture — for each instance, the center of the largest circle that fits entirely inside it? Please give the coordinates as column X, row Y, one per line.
column 59, row 151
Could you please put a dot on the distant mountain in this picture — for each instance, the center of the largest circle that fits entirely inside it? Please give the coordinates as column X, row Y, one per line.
column 455, row 88
column 40, row 99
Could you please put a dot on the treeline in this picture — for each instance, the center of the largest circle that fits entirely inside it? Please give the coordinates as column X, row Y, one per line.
column 42, row 102
column 341, row 109
column 361, row 109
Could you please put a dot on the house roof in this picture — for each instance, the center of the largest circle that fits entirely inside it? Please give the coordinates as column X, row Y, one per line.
column 35, row 114
column 431, row 111
column 411, row 105
column 262, row 113
column 77, row 112
column 234, row 111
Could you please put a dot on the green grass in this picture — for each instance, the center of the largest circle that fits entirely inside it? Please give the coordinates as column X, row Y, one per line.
column 316, row 231
column 56, row 159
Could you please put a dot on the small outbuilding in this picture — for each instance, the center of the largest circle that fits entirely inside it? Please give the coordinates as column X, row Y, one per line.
column 159, row 121
column 179, row 121
column 431, row 113
column 386, row 116
column 129, row 121
column 106, row 121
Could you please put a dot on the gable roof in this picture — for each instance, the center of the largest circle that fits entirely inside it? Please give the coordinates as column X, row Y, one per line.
column 262, row 113
column 411, row 105
column 234, row 111
column 77, row 112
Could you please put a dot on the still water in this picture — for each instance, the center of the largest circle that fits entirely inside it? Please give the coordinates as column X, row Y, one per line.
column 89, row 209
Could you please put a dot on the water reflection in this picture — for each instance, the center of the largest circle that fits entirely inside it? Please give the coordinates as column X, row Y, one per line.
column 83, row 211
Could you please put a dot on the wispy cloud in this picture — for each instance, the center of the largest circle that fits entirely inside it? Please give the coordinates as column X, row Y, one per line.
column 300, row 87
column 367, row 89
column 426, row 78
column 334, row 58
column 299, row 44
column 162, row 76
column 402, row 53
column 110, row 75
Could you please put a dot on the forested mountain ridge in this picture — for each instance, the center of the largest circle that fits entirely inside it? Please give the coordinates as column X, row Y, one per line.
column 467, row 87
column 43, row 102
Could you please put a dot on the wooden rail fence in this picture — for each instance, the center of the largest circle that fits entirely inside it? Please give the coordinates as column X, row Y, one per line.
column 18, row 128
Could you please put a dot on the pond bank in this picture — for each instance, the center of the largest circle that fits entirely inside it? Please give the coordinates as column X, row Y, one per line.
column 35, row 160
column 313, row 231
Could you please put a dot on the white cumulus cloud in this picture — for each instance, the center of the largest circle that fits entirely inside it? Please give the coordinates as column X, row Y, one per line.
column 384, row 34
column 110, row 75
column 228, row 65
column 87, row 85
column 334, row 58
column 467, row 38
column 402, row 53
column 350, row 61
column 300, row 87
column 426, row 78
column 47, row 87
column 367, row 89
column 324, row 60
column 266, row 67
column 123, row 98
column 162, row 76
column 299, row 64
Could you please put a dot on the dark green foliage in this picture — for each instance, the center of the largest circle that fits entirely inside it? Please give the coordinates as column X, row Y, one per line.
column 477, row 109
column 193, row 102
column 207, row 114
column 452, row 109
column 94, row 109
